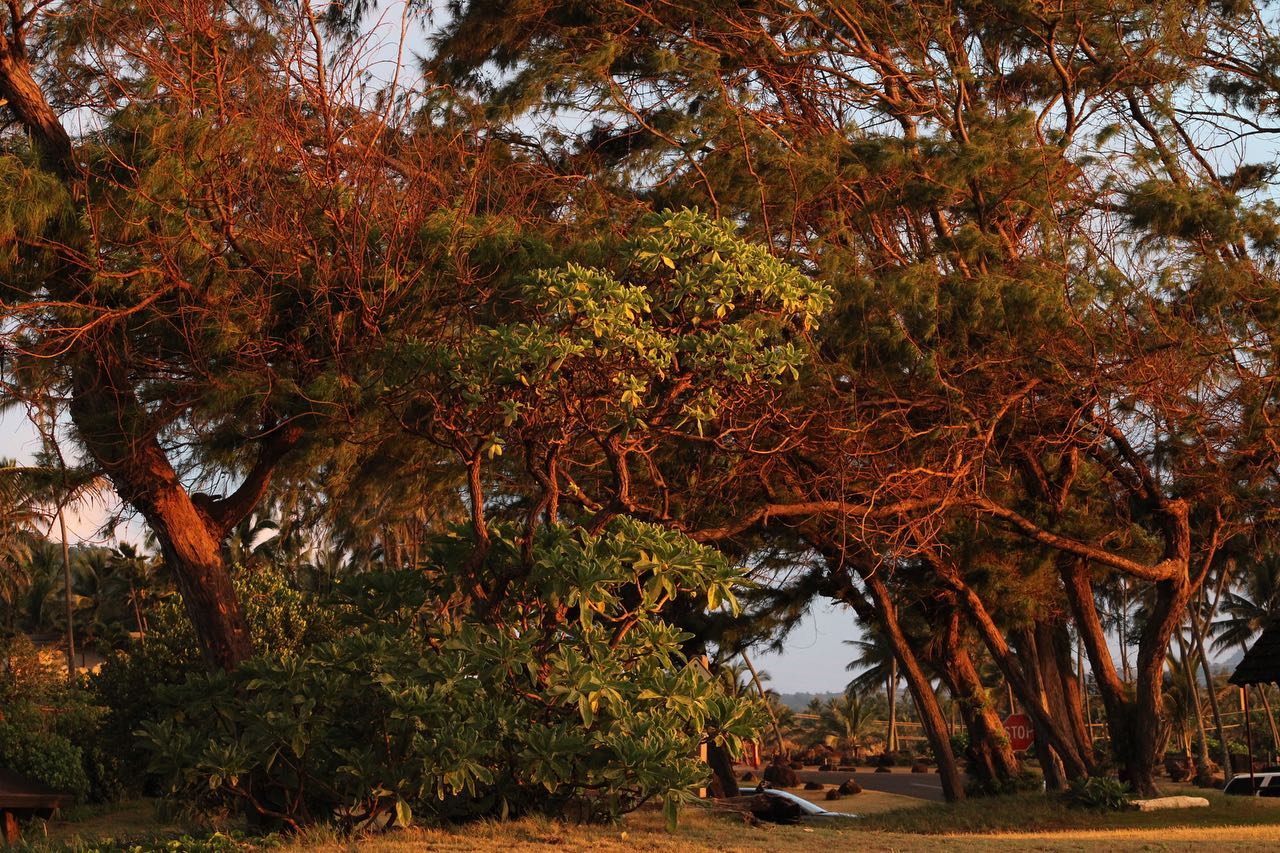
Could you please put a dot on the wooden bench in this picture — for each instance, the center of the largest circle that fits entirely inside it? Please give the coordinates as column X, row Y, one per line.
column 23, row 797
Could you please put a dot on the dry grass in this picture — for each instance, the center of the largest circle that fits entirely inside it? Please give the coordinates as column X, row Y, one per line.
column 1027, row 822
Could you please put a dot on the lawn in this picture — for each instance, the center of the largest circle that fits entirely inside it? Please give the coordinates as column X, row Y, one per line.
column 1024, row 822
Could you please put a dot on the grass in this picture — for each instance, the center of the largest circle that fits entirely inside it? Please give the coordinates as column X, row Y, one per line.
column 1021, row 822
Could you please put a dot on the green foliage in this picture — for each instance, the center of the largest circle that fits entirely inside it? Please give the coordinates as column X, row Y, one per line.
column 280, row 617
column 27, row 747
column 1099, row 792
column 570, row 696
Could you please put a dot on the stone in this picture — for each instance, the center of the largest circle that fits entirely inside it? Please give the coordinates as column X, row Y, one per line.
column 781, row 776
column 919, row 767
column 1160, row 803
column 814, row 786
column 883, row 769
column 848, row 786
column 775, row 809
column 834, row 794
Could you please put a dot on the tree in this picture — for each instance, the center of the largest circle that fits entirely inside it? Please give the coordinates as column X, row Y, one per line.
column 210, row 273
column 1027, row 336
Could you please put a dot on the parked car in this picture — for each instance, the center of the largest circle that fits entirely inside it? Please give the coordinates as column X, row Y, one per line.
column 1267, row 781
column 806, row 808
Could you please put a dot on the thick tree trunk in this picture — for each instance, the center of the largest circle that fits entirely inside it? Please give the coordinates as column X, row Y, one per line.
column 722, row 767
column 1132, row 724
column 994, row 767
column 1025, row 684
column 108, row 421
column 931, row 718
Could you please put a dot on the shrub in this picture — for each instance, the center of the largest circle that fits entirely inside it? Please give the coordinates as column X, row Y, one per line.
column 1099, row 792
column 27, row 748
column 568, row 697
column 280, row 617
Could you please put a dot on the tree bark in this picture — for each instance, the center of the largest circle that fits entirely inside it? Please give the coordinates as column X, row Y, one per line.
column 882, row 611
column 994, row 766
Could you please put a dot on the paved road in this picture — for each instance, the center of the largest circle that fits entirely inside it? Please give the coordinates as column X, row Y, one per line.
column 924, row 786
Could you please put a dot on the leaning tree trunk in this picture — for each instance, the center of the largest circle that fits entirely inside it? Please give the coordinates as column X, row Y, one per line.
column 114, row 426
column 995, row 767
column 882, row 611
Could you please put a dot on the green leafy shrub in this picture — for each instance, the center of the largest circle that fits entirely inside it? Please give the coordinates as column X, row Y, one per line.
column 281, row 618
column 48, row 726
column 1099, row 792
column 28, row 748
column 568, row 697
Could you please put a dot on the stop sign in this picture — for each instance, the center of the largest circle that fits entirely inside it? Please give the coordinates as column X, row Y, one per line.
column 1021, row 734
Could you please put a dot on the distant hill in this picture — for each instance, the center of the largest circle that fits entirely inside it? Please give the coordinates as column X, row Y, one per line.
column 798, row 701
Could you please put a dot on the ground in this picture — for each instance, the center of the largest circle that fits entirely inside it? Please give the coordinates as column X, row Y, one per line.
column 891, row 822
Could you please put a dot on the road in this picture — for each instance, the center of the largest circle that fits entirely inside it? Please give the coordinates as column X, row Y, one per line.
column 923, row 786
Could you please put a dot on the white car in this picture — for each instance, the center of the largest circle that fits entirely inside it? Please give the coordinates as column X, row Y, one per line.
column 1267, row 780
column 810, row 809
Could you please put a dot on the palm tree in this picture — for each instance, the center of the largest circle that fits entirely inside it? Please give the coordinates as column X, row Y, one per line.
column 1249, row 604
column 19, row 518
column 848, row 721
column 877, row 665
column 1247, row 607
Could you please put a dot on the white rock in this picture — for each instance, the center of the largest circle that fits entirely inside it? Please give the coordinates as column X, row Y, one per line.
column 1170, row 803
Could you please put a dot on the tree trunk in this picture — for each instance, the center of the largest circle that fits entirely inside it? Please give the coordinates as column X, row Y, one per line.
column 882, row 611
column 722, row 767
column 994, row 767
column 1133, row 725
column 892, row 686
column 1025, row 684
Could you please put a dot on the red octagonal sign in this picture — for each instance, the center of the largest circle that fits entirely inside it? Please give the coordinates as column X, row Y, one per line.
column 1021, row 734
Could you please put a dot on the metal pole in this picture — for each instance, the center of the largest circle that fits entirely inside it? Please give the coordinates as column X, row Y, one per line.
column 1248, row 738
column 71, row 625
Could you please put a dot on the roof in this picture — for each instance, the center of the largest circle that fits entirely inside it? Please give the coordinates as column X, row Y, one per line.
column 1261, row 662
column 19, row 792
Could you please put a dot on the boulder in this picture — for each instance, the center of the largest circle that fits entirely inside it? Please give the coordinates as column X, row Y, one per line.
column 848, row 786
column 919, row 767
column 846, row 768
column 834, row 794
column 781, row 776
column 814, row 786
column 883, row 768
column 1160, row 803
column 774, row 809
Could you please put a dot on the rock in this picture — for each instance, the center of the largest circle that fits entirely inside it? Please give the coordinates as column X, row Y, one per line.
column 846, row 768
column 748, row 776
column 883, row 768
column 919, row 767
column 814, row 786
column 827, row 768
column 780, row 776
column 1160, row 803
column 848, row 786
column 834, row 794
column 797, row 765
column 775, row 809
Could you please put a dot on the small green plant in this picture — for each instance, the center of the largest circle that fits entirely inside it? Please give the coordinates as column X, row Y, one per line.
column 1099, row 792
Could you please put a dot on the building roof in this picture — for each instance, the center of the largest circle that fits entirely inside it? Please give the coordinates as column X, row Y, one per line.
column 1261, row 662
